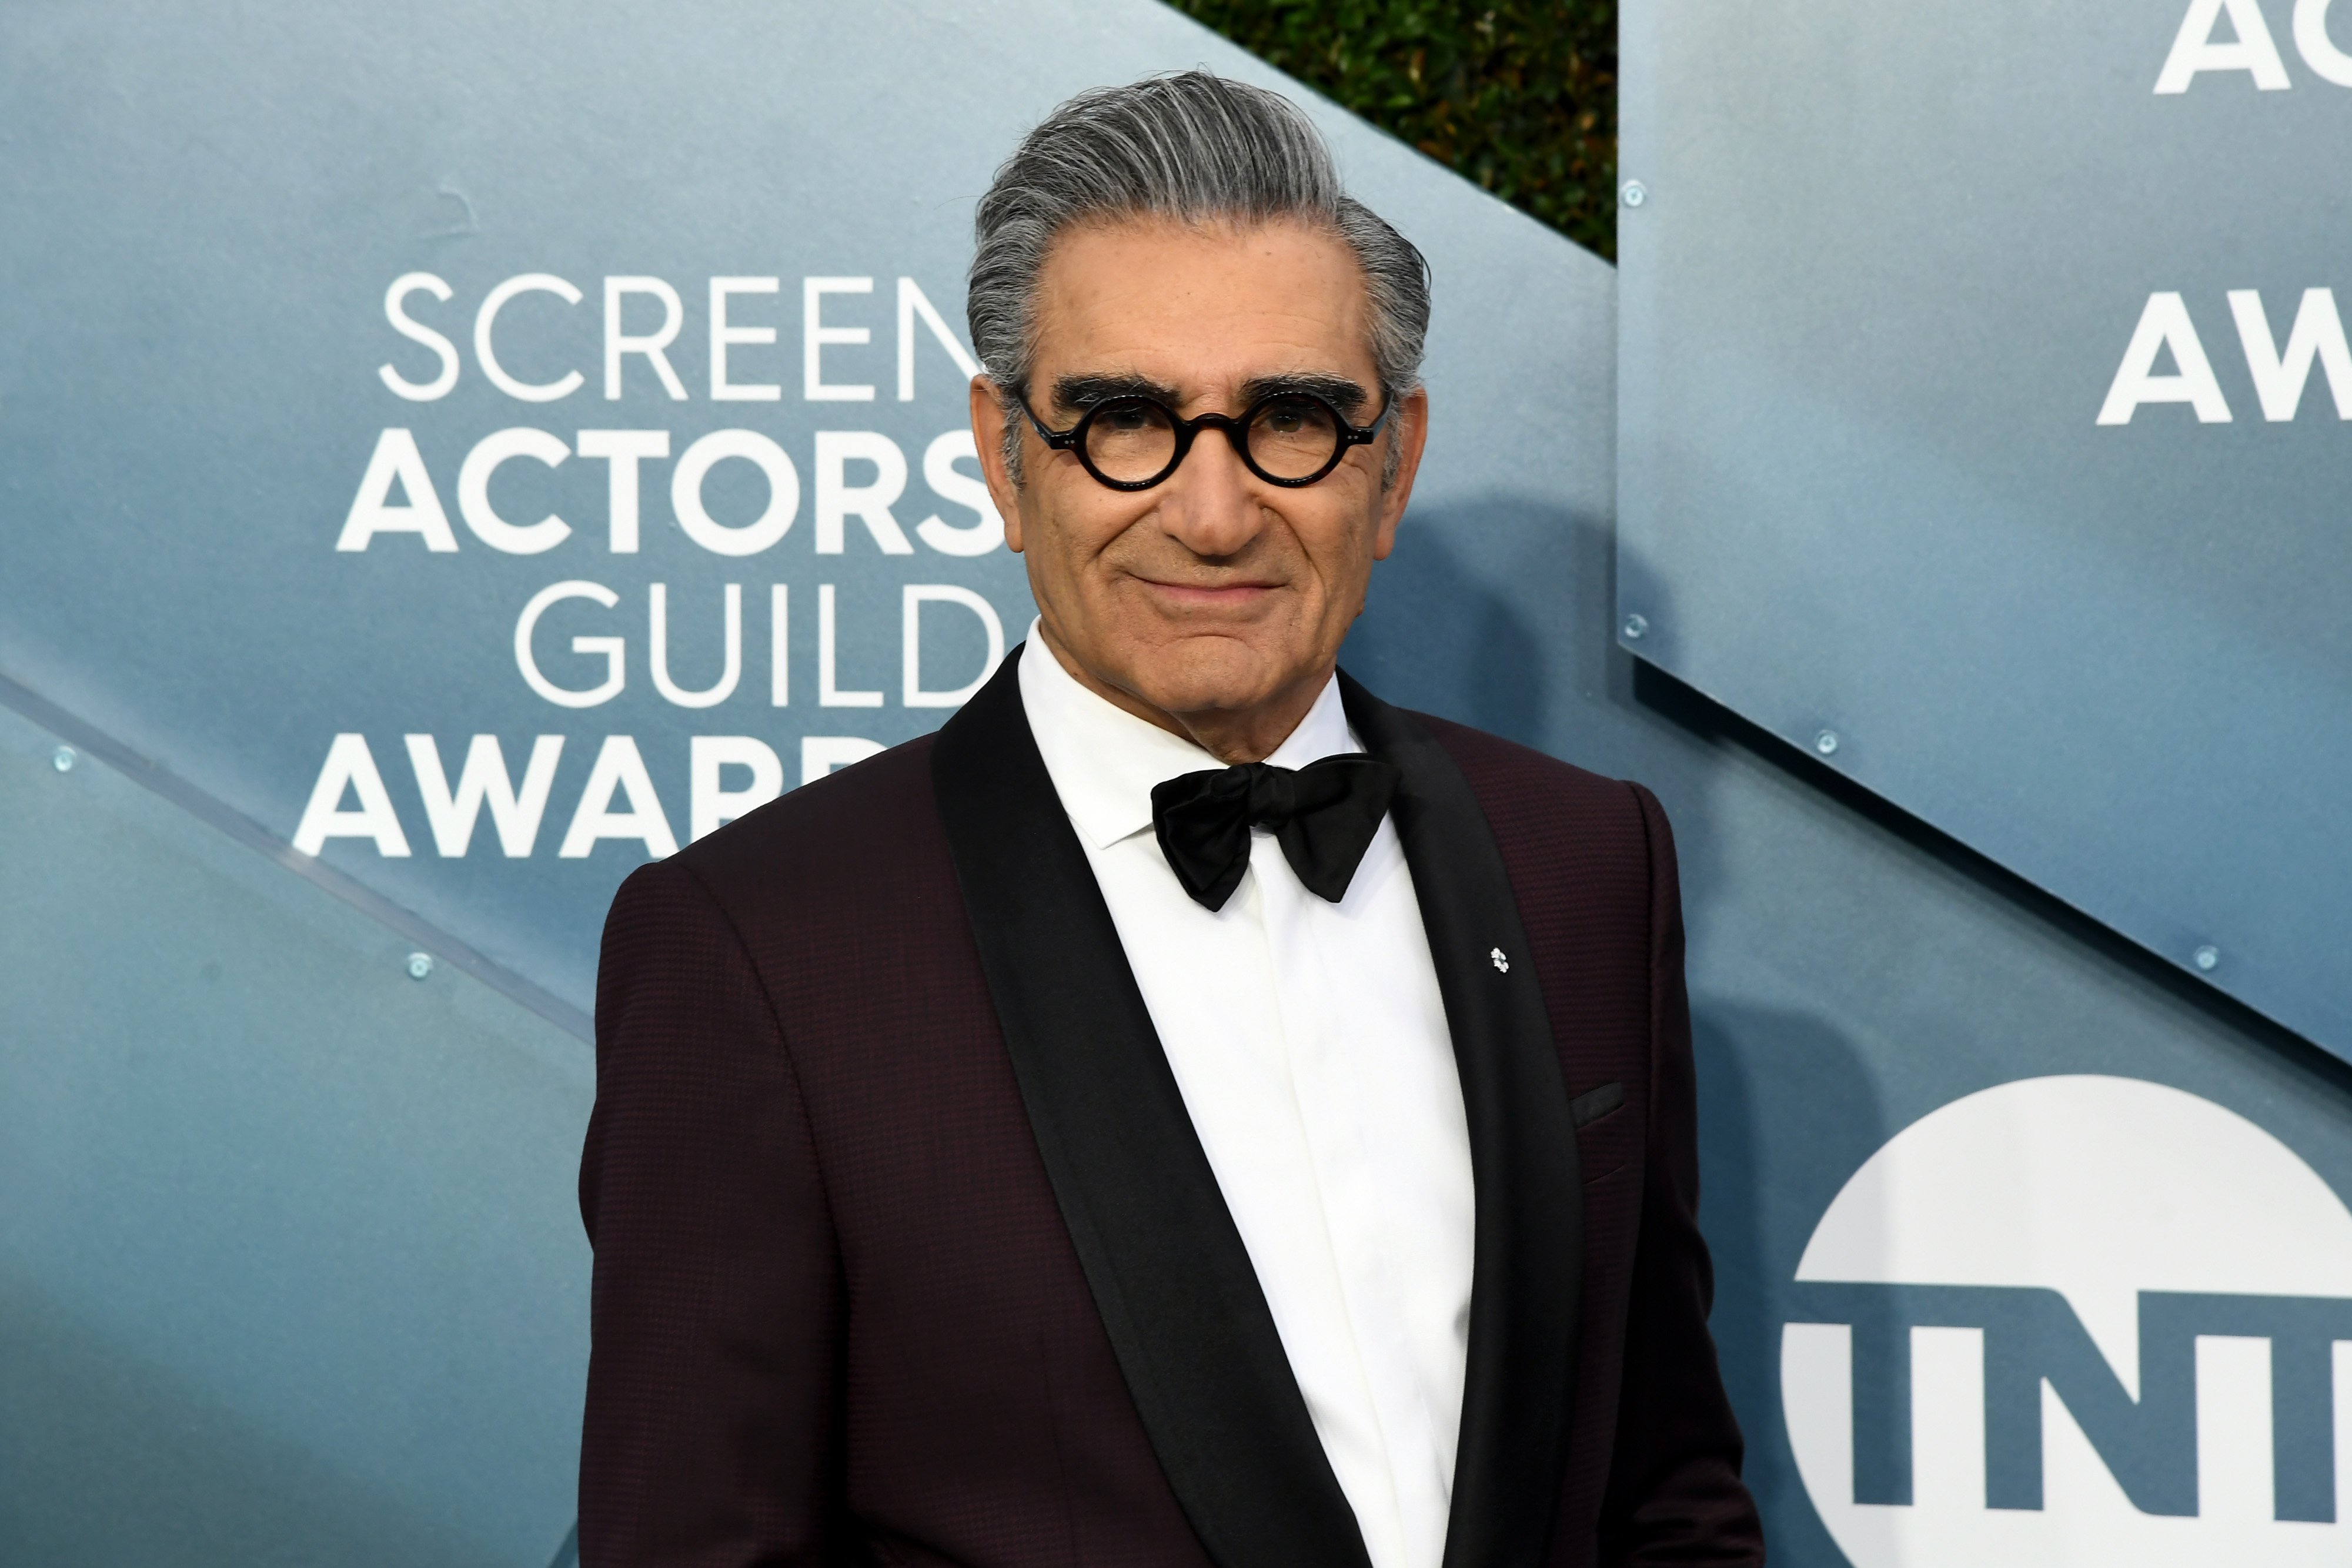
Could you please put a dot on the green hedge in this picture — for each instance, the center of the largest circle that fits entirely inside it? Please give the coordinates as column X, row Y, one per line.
column 1521, row 98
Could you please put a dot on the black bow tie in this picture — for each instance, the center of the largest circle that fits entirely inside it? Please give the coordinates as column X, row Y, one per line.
column 1324, row 815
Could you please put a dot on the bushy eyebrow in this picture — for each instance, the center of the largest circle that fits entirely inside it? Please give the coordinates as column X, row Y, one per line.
column 1084, row 391
column 1081, row 392
column 1341, row 392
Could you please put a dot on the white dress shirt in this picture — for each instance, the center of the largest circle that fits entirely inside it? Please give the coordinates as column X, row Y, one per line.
column 1310, row 1044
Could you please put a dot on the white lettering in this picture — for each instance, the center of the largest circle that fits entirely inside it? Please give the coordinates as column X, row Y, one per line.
column 2319, row 52
column 618, row 770
column 2194, row 50
column 624, row 449
column 473, row 491
column 712, row 696
column 515, row 813
column 2165, row 324
column 652, row 345
column 917, row 595
column 495, row 301
column 838, row 499
column 396, row 311
column 722, row 335
column 780, row 669
column 2280, row 375
column 911, row 303
column 612, row 648
column 783, row 492
column 713, row 805
column 349, row 766
column 396, row 458
column 939, row 472
column 828, row 693
column 815, row 335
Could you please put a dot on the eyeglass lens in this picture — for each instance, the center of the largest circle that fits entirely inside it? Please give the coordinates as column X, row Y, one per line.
column 1134, row 439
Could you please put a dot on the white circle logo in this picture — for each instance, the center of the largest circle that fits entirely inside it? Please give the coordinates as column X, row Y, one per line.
column 2079, row 1320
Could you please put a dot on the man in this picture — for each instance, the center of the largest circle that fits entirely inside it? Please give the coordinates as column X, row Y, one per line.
column 1187, row 1111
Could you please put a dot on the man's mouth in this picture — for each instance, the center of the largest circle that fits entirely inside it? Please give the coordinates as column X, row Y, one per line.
column 1210, row 596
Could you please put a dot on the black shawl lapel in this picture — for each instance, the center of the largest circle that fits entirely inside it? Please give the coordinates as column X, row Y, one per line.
column 1170, row 1275
column 1530, row 1211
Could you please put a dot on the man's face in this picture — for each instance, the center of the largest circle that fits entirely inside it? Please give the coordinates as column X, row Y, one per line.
column 1214, row 596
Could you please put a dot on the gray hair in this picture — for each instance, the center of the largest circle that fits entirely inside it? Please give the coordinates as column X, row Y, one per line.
column 1190, row 146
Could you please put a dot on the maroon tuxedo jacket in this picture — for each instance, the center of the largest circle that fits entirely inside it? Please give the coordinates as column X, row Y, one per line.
column 906, row 1251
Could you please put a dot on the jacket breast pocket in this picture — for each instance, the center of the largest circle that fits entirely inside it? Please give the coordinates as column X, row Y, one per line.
column 1607, row 1135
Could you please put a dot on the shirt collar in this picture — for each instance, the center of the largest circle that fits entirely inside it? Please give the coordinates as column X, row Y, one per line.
column 1104, row 760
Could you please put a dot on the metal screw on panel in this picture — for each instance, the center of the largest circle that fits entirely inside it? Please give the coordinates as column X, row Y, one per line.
column 419, row 966
column 63, row 760
column 1633, row 193
column 1636, row 627
column 1826, row 743
column 2208, row 958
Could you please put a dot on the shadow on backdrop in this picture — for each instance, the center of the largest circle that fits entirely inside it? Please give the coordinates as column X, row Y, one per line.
column 1433, row 637
column 1438, row 636
column 1761, row 1069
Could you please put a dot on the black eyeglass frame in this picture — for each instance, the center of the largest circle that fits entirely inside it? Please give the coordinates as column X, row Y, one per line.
column 1236, row 430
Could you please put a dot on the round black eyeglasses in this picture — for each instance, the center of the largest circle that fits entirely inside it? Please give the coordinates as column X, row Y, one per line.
column 1289, row 438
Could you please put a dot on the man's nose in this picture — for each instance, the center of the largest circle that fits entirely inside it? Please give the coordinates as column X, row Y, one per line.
column 1210, row 505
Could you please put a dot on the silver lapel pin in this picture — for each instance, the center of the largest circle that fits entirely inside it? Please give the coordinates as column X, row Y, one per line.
column 1502, row 965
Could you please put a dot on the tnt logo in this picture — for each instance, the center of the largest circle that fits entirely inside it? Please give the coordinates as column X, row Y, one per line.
column 2079, row 1321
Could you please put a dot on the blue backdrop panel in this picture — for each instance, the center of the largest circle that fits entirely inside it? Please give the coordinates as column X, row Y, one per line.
column 344, row 1321
column 1911, row 305
column 202, row 215
column 199, row 226
column 290, row 1270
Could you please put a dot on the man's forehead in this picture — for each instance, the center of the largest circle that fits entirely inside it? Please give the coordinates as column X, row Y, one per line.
column 1202, row 308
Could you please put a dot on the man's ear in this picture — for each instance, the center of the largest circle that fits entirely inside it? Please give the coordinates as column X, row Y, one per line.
column 988, row 439
column 1410, row 431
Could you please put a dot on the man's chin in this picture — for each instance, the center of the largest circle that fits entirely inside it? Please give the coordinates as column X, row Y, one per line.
column 1213, row 672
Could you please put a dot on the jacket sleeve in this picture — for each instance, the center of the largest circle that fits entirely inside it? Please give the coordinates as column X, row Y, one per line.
column 1675, row 1494
column 710, row 1438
